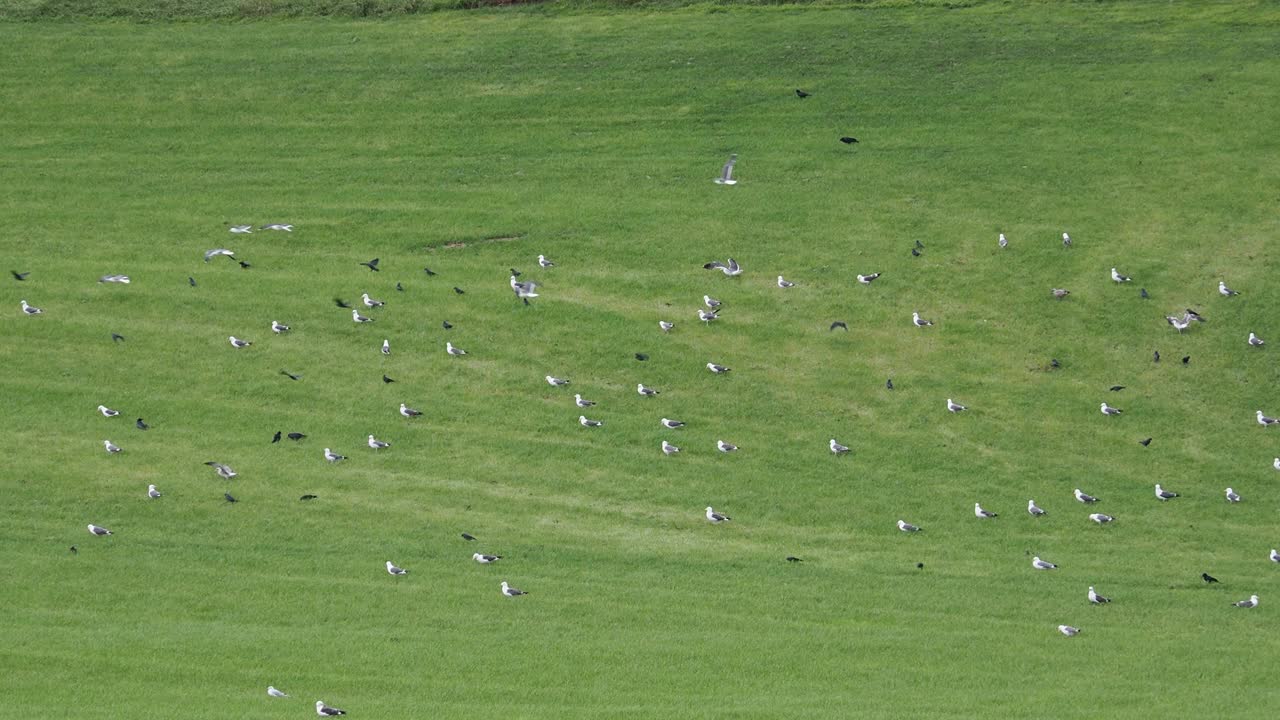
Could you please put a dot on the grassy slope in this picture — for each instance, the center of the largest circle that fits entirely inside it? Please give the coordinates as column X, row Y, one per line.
column 593, row 137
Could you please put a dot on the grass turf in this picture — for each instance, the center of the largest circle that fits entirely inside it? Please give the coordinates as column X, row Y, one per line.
column 470, row 143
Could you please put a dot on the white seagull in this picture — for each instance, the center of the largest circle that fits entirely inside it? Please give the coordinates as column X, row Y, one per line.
column 449, row 348
column 868, row 279
column 276, row 693
column 386, row 347
column 332, row 456
column 1162, row 494
column 393, row 570
column 409, row 412
column 1177, row 324
column 111, row 447
column 585, row 422
column 725, row 447
column 325, row 711
column 1066, row 240
column 1224, row 290
column 31, row 309
column 238, row 343
column 919, row 321
column 152, row 492
column 707, row 316
column 715, row 517
column 726, row 173
column 1118, row 277
column 278, row 328
column 1108, row 410
column 1275, row 556
column 122, row 279
column 1039, row 564
column 510, row 591
column 277, row 226
column 524, row 290
column 1003, row 243
column 669, row 449
column 377, row 444
column 728, row 268
column 1084, row 497
column 224, row 471
column 672, row 424
column 980, row 513
column 1264, row 420
column 710, row 302
column 784, row 284
column 1232, row 496
column 1101, row 518
column 1067, row 629
column 242, row 229
column 580, row 402
column 837, row 448
column 95, row 530
column 717, row 369
column 485, row 559
column 107, row 412
column 1276, row 463
column 1252, row 602
column 666, row 326
column 211, row 254
column 370, row 302
column 1097, row 599
column 1256, row 341
column 907, row 527
column 1034, row 509
column 955, row 406
column 556, row 382
column 357, row 317
column 645, row 391
column 544, row 262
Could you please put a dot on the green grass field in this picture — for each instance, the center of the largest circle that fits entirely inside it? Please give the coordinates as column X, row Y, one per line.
column 470, row 142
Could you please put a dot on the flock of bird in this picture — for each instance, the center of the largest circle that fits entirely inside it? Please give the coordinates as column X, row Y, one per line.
column 525, row 290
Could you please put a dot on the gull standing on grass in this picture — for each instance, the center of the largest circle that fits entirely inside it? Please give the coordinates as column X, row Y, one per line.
column 107, row 412
column 1084, row 497
column 784, row 284
column 919, row 321
column 669, row 449
column 409, row 412
column 868, row 279
column 1224, row 290
column 1034, row 509
column 152, row 492
column 580, row 402
column 1108, row 410
column 332, row 456
column 1252, row 602
column 645, row 391
column 1060, row 293
column 1067, row 629
column 276, row 693
column 726, row 173
column 377, row 444
column 279, row 328
column 1275, row 556
column 1263, row 420
column 1101, row 518
column 510, row 591
column 585, row 422
column 357, row 317
column 485, row 559
column 238, row 343
column 31, row 309
column 95, row 530
column 1066, row 240
column 717, row 369
column 386, row 346
column 1232, row 496
column 1162, row 494
column 907, row 527
column 837, row 448
column 707, row 316
column 1097, row 599
column 710, row 302
column 671, row 424
column 955, row 407
column 982, row 514
column 1256, row 341
column 1115, row 275
column 393, row 570
column 111, row 447
column 325, row 711
column 1039, row 564
column 556, row 382
column 666, row 326
column 725, row 447
column 1003, row 242
column 449, row 348
column 715, row 517
column 370, row 302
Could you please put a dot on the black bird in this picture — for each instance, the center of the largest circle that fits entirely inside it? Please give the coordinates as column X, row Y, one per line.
column 428, row 271
column 20, row 277
column 515, row 272
column 141, row 425
column 915, row 252
column 341, row 303
column 460, row 291
column 1156, row 357
column 839, row 324
column 308, row 497
column 191, row 281
column 919, row 245
column 1145, row 443
column 386, row 379
column 74, row 550
column 793, row 558
column 919, row 566
column 1053, row 363
column 1208, row 578
column 276, row 437
column 447, row 325
column 802, row 94
column 372, row 265
column 888, row 384
column 1142, row 292
column 229, row 498
column 1186, row 360
column 290, row 375
column 1195, row 315
column 117, row 337
column 399, row 287
column 295, row 436
column 244, row 265
column 1117, row 388
column 848, row 140
column 641, row 357
column 468, row 537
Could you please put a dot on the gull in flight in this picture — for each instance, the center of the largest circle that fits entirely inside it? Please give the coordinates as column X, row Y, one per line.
column 1224, row 290
column 710, row 302
column 905, row 526
column 238, row 343
column 485, row 559
column 577, row 400
column 211, row 254
column 1067, row 629
column 1264, row 421
column 673, row 424
column 276, row 693
column 645, row 391
column 524, row 290
column 1118, row 277
column 386, row 347
column 94, row 529
column 377, row 444
column 279, row 328
column 449, row 348
column 1256, row 341
column 837, row 448
column 728, row 268
column 669, row 449
column 1162, row 494
column 980, row 513
column 666, row 326
column 370, row 302
column 544, row 262
column 242, row 229
column 325, row 711
column 393, row 570
column 408, row 412
column 1039, row 564
column 1101, row 518
column 510, row 591
column 955, row 407
column 1177, row 324
column 717, row 369
column 1232, row 496
column 715, row 517
column 725, row 447
column 1108, row 410
column 784, row 284
column 277, row 226
column 1066, row 240
column 1034, row 509
column 1002, row 241
column 31, row 309
column 111, row 447
column 224, row 471
column 332, row 456
column 919, row 321
column 357, row 317
column 122, row 279
column 152, row 492
column 868, row 279
column 107, row 412
column 1097, row 599
column 726, row 174
column 1084, row 498
column 707, row 316
column 556, row 382
column 585, row 422
column 1252, row 602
